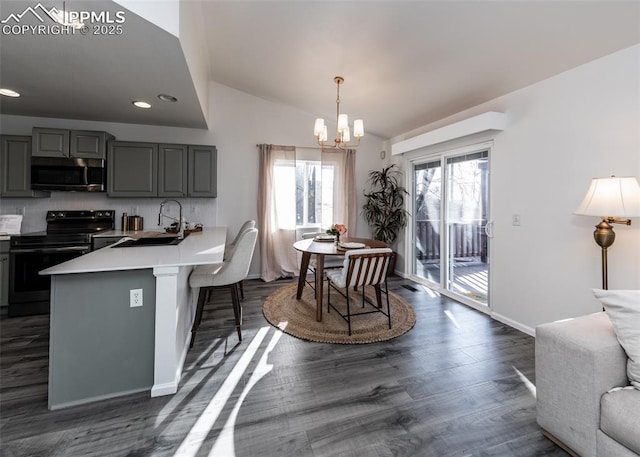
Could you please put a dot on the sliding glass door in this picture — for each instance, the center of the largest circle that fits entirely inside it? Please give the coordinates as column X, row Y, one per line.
column 427, row 178
column 450, row 231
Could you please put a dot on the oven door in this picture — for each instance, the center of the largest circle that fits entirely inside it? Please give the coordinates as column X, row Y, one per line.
column 29, row 291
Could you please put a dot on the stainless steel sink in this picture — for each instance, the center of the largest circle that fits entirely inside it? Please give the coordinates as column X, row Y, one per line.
column 150, row 241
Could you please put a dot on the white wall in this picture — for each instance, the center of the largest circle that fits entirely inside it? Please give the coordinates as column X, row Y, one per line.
column 561, row 132
column 239, row 122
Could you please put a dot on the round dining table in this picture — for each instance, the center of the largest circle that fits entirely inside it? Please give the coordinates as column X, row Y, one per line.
column 321, row 249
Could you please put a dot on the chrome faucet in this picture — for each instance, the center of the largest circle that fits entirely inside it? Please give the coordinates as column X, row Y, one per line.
column 179, row 220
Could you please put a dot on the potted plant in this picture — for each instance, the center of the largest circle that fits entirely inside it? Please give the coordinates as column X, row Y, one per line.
column 384, row 205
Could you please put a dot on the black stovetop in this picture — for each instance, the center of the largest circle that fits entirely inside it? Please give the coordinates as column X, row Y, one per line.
column 68, row 228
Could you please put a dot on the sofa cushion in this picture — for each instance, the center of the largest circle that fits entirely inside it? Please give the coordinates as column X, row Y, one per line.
column 619, row 417
column 623, row 308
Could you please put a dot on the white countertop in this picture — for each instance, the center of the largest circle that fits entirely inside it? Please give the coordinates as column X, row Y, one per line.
column 131, row 233
column 198, row 248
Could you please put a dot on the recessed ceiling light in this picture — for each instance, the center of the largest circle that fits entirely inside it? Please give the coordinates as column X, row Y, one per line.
column 140, row 104
column 167, row 98
column 9, row 93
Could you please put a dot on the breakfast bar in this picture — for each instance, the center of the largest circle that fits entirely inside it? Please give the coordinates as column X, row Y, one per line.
column 120, row 317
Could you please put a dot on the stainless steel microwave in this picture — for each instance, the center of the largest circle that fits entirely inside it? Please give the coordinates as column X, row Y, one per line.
column 68, row 174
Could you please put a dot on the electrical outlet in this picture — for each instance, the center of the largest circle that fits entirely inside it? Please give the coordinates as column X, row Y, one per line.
column 515, row 220
column 135, row 298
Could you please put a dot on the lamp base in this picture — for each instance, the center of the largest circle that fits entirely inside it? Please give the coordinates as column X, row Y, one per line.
column 604, row 236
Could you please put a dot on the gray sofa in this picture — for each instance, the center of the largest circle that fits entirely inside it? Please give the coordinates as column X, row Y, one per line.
column 578, row 362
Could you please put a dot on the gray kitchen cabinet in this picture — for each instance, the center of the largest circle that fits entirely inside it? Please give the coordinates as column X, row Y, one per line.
column 4, row 273
column 172, row 170
column 15, row 167
column 86, row 144
column 203, row 175
column 50, row 142
column 161, row 170
column 132, row 169
column 89, row 144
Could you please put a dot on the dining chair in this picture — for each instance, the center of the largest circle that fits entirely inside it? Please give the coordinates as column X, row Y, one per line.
column 361, row 267
column 229, row 247
column 230, row 273
column 330, row 262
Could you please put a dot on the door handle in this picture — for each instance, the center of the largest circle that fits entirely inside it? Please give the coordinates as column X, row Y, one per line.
column 488, row 229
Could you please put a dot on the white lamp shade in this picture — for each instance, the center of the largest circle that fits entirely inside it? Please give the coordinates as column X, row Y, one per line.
column 318, row 127
column 343, row 122
column 358, row 128
column 324, row 135
column 611, row 197
column 346, row 135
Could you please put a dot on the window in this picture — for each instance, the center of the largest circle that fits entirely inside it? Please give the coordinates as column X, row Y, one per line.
column 314, row 184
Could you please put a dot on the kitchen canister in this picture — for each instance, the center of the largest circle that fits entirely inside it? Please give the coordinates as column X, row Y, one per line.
column 136, row 223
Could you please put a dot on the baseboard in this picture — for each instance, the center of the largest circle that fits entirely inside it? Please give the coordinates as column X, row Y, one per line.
column 515, row 324
column 168, row 388
column 96, row 398
column 559, row 443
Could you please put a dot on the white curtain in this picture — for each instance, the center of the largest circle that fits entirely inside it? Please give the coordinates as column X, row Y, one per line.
column 277, row 229
column 344, row 186
column 278, row 196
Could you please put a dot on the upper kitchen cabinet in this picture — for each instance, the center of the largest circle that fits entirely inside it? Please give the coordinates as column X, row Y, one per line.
column 172, row 170
column 86, row 144
column 15, row 167
column 203, row 175
column 132, row 169
column 161, row 170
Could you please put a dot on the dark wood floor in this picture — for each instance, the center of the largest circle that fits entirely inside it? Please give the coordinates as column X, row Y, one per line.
column 455, row 385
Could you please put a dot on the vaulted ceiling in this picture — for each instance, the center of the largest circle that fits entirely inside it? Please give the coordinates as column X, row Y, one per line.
column 405, row 64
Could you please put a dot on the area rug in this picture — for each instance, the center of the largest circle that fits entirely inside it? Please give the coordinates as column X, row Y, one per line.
column 298, row 317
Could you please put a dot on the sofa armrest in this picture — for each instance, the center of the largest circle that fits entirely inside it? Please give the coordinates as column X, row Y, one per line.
column 577, row 361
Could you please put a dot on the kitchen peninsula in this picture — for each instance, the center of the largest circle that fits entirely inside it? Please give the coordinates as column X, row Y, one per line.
column 121, row 318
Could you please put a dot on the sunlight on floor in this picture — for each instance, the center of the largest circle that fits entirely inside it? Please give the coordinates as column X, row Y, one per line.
column 198, row 433
column 179, row 397
column 528, row 384
column 225, row 443
column 449, row 314
column 432, row 293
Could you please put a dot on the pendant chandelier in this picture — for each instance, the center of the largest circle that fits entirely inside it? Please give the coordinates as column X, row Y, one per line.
column 343, row 133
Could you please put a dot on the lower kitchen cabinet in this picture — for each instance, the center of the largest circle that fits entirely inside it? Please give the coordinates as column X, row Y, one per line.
column 4, row 273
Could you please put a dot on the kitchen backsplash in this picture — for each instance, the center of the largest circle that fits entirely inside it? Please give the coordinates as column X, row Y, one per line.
column 195, row 210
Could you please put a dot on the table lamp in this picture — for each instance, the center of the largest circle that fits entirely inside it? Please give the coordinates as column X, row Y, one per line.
column 615, row 200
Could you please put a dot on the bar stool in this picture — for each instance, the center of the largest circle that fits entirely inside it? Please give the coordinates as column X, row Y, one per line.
column 229, row 273
column 229, row 247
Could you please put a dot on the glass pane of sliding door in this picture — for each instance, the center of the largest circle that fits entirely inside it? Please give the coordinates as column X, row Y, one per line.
column 427, row 179
column 467, row 207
